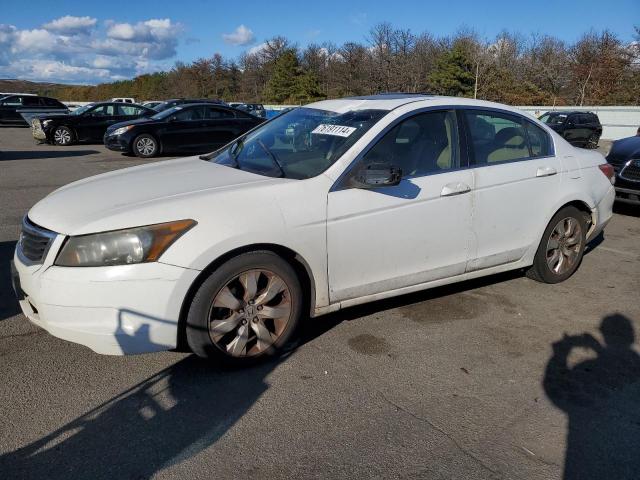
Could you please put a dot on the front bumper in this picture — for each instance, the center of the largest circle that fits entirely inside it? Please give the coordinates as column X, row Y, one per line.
column 116, row 143
column 116, row 310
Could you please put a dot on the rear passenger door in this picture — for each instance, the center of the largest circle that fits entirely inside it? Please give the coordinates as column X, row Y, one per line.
column 517, row 178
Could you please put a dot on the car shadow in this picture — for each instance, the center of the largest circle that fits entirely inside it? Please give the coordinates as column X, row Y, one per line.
column 178, row 412
column 600, row 399
column 8, row 304
column 42, row 154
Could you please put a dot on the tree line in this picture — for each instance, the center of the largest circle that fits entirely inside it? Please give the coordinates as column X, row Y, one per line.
column 597, row 69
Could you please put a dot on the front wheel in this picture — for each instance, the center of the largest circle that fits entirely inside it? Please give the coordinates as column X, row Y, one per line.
column 63, row 136
column 246, row 310
column 145, row 146
column 561, row 248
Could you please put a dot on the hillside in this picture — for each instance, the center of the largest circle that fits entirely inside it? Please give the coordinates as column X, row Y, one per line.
column 25, row 86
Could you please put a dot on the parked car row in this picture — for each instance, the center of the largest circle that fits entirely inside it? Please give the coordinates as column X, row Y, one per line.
column 176, row 125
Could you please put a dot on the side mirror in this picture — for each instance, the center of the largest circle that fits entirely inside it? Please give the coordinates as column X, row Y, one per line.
column 172, row 119
column 376, row 175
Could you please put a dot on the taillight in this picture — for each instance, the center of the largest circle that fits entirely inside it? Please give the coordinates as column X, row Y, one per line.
column 608, row 171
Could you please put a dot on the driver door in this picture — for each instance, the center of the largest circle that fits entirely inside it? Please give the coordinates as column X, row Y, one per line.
column 387, row 238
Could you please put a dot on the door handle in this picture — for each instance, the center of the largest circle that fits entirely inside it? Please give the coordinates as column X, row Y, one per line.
column 545, row 171
column 454, row 188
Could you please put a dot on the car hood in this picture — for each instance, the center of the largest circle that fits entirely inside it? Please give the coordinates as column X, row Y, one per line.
column 143, row 195
column 624, row 149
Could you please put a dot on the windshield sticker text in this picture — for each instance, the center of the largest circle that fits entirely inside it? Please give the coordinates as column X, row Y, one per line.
column 337, row 130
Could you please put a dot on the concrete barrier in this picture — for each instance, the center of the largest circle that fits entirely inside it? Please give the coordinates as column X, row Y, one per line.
column 617, row 122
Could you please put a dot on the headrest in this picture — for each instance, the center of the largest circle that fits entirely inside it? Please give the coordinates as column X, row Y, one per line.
column 408, row 132
column 510, row 136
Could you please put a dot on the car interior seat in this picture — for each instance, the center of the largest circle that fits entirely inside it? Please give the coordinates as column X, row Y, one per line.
column 509, row 144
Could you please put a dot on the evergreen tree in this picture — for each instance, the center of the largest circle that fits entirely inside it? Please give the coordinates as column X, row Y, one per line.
column 453, row 74
column 284, row 82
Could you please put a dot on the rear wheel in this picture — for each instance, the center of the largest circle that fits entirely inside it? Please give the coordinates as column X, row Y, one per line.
column 63, row 136
column 562, row 247
column 145, row 146
column 247, row 309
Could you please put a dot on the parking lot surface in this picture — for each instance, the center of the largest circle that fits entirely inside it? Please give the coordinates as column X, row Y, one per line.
column 460, row 382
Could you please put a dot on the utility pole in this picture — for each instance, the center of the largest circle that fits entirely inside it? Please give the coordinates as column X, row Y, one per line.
column 475, row 87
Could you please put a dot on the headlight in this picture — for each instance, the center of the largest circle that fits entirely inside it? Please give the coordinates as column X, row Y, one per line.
column 46, row 122
column 121, row 130
column 122, row 247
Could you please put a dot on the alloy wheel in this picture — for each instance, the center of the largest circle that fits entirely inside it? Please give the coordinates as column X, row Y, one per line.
column 145, row 146
column 250, row 313
column 564, row 245
column 62, row 136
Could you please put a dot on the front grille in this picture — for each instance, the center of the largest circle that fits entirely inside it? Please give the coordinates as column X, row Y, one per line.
column 34, row 242
column 631, row 171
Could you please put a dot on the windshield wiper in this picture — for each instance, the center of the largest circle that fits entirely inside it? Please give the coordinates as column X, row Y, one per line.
column 273, row 157
column 236, row 164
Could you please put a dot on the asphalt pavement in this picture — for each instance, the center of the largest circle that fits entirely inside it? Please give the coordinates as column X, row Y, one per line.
column 501, row 377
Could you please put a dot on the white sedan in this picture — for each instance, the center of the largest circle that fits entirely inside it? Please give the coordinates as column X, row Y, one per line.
column 330, row 205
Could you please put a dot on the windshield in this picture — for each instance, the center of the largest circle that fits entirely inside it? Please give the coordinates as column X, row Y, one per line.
column 166, row 113
column 81, row 110
column 299, row 144
column 553, row 118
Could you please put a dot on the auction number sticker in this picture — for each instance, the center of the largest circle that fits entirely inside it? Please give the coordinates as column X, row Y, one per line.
column 337, row 130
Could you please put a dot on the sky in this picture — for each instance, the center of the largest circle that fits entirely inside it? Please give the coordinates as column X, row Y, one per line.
column 99, row 41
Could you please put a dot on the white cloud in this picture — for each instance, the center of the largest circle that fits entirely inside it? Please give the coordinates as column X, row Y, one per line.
column 69, row 25
column 72, row 49
column 52, row 70
column 240, row 36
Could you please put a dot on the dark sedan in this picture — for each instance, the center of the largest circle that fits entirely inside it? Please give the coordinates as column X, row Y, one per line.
column 189, row 128
column 625, row 158
column 85, row 124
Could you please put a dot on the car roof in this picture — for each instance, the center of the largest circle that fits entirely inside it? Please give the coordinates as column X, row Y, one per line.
column 568, row 112
column 392, row 101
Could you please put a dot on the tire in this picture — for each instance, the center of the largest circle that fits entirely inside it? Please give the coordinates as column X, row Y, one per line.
column 241, row 314
column 555, row 265
column 63, row 136
column 145, row 146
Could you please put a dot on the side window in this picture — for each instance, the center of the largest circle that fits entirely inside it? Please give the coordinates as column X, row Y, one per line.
column 129, row 111
column 496, row 137
column 104, row 111
column 52, row 102
column 573, row 119
column 538, row 140
column 13, row 101
column 423, row 144
column 196, row 113
column 213, row 113
column 31, row 101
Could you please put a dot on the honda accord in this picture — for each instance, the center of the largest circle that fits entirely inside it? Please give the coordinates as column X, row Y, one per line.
column 330, row 205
